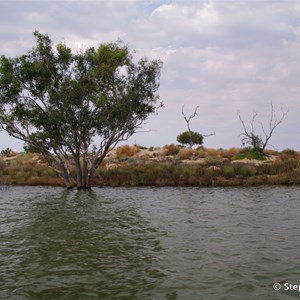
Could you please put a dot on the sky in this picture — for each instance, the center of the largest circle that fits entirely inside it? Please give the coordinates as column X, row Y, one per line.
column 224, row 56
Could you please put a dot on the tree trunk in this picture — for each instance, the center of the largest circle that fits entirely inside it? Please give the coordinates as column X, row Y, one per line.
column 65, row 175
column 86, row 183
column 89, row 177
column 79, row 182
column 82, row 178
column 85, row 166
column 93, row 168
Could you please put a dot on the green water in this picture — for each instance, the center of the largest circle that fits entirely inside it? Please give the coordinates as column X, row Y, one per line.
column 149, row 243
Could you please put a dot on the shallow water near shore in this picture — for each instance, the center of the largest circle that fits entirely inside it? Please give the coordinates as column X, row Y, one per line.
column 149, row 243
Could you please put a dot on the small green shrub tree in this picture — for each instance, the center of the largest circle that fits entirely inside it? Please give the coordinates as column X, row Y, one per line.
column 190, row 138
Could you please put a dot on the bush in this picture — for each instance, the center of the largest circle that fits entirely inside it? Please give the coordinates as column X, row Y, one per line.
column 212, row 152
column 228, row 171
column 290, row 165
column 213, row 160
column 288, row 154
column 254, row 154
column 247, row 171
column 270, row 152
column 127, row 151
column 171, row 149
column 230, row 153
column 250, row 154
column 200, row 152
column 156, row 174
column 6, row 152
column 231, row 170
column 185, row 154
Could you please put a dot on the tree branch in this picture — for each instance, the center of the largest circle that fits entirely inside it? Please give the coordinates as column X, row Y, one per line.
column 255, row 140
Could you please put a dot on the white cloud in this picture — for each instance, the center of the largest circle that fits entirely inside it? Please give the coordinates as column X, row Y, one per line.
column 179, row 17
column 221, row 55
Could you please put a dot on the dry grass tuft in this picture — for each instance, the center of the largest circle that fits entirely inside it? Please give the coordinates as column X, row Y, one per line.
column 212, row 152
column 230, row 153
column 127, row 151
column 185, row 154
column 171, row 149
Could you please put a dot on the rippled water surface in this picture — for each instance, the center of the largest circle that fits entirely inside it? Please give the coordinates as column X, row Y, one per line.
column 149, row 243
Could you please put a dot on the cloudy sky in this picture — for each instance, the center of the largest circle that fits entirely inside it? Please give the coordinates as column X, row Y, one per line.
column 224, row 56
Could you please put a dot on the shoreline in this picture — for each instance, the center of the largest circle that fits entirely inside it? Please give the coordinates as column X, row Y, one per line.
column 133, row 167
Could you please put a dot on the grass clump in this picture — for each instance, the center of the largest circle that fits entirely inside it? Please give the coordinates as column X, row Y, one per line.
column 185, row 154
column 155, row 174
column 289, row 154
column 213, row 160
column 249, row 153
column 210, row 152
column 247, row 171
column 230, row 153
column 237, row 169
column 171, row 149
column 127, row 151
column 228, row 171
column 28, row 169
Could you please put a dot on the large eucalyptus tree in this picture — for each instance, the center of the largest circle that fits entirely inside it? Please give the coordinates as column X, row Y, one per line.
column 74, row 108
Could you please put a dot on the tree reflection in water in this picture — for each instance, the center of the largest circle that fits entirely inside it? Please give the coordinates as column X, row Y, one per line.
column 79, row 245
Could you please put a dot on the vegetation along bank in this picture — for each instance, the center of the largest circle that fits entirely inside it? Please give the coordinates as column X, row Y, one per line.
column 170, row 165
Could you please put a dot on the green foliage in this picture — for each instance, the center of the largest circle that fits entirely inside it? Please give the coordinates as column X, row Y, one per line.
column 190, row 138
column 61, row 102
column 29, row 148
column 256, row 143
column 6, row 151
column 250, row 153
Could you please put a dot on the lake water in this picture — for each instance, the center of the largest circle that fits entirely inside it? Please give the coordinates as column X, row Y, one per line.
column 149, row 243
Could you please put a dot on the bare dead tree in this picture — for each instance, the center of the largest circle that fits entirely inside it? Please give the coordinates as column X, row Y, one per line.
column 188, row 119
column 190, row 137
column 257, row 141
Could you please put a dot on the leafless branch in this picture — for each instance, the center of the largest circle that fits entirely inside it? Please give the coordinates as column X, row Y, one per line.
column 207, row 135
column 188, row 119
column 254, row 139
